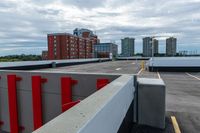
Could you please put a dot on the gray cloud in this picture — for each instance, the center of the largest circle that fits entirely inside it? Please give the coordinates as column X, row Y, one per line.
column 85, row 3
column 25, row 23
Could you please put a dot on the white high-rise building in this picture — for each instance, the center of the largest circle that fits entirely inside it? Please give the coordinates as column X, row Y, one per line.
column 171, row 46
column 148, row 44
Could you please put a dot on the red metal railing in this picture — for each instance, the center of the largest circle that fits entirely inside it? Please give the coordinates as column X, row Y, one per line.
column 101, row 83
column 37, row 82
column 66, row 93
column 1, row 122
column 12, row 99
column 67, row 106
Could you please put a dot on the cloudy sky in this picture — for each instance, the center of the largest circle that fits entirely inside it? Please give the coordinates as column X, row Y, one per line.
column 25, row 23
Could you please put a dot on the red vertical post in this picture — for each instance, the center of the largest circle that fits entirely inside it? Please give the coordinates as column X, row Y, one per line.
column 12, row 99
column 101, row 83
column 1, row 122
column 66, row 90
column 37, row 100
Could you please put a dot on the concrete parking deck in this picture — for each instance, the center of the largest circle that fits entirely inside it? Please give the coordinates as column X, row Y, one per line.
column 182, row 91
column 182, row 96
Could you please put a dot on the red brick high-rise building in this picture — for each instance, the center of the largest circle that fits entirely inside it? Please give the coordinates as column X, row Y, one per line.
column 68, row 46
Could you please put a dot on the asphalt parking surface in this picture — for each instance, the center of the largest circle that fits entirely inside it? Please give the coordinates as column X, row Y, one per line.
column 121, row 67
column 183, row 99
column 146, row 129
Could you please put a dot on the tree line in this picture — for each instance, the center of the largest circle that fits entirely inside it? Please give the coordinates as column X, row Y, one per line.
column 22, row 57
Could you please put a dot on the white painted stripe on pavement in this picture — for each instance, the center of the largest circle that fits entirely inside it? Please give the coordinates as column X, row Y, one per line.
column 140, row 71
column 158, row 75
column 118, row 69
column 193, row 76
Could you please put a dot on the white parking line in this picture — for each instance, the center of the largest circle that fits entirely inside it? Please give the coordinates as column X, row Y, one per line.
column 158, row 75
column 193, row 76
column 118, row 69
column 139, row 71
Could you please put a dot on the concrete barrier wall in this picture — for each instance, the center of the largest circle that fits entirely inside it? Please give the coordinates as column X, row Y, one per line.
column 175, row 61
column 112, row 110
column 51, row 95
column 106, row 110
column 174, row 64
column 151, row 102
column 133, row 58
column 102, row 112
column 33, row 65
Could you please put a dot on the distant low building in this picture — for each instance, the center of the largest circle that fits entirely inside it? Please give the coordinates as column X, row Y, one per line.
column 44, row 55
column 150, row 45
column 105, row 50
column 171, row 46
column 128, row 45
